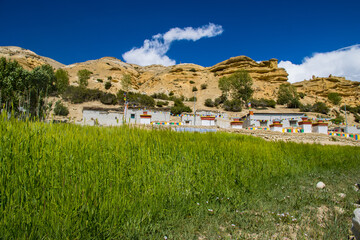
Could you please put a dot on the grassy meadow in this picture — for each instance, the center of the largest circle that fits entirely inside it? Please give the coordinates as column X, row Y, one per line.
column 63, row 181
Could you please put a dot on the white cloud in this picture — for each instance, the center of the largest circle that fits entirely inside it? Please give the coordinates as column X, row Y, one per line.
column 154, row 50
column 344, row 62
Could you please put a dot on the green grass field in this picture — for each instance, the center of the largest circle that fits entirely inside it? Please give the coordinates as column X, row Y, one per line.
column 62, row 181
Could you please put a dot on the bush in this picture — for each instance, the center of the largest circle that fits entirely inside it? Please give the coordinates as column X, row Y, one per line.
column 136, row 99
column 108, row 98
column 161, row 104
column 294, row 103
column 203, row 86
column 80, row 94
column 305, row 108
column 108, row 85
column 99, row 80
column 84, row 76
column 334, row 98
column 192, row 70
column 209, row 102
column 233, row 105
column 109, row 78
column 262, row 103
column 220, row 100
column 338, row 120
column 192, row 99
column 192, row 82
column 60, row 109
column 194, row 89
column 162, row 96
column 320, row 107
column 302, row 95
column 179, row 107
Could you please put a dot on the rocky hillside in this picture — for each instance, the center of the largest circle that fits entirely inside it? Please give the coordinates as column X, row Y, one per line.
column 182, row 78
column 27, row 58
column 319, row 88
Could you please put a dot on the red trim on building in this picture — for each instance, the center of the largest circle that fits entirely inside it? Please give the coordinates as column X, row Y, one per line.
column 208, row 118
column 236, row 123
column 320, row 124
column 305, row 123
column 145, row 116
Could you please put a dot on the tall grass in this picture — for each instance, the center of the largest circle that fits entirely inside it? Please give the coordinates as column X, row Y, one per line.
column 62, row 181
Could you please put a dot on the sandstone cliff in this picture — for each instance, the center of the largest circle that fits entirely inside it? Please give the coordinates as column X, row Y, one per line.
column 319, row 88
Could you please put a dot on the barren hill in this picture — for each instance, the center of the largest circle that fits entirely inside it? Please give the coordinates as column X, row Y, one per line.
column 182, row 78
column 27, row 58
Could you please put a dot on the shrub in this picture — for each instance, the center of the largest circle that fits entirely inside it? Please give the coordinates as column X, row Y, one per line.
column 334, row 98
column 108, row 98
column 233, row 105
column 338, row 120
column 109, row 78
column 192, row 70
column 192, row 99
column 192, row 82
column 161, row 103
column 320, row 107
column 294, row 103
column 80, row 94
column 179, row 107
column 108, row 85
column 209, row 102
column 171, row 94
column 305, row 108
column 220, row 100
column 136, row 99
column 194, row 89
column 99, row 80
column 204, row 86
column 84, row 76
column 302, row 95
column 262, row 103
column 60, row 109
column 162, row 96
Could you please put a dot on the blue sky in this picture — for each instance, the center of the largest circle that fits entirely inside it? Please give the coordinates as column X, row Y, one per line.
column 76, row 31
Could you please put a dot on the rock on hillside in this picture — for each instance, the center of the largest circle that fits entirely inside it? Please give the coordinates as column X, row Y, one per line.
column 27, row 59
column 320, row 88
column 266, row 74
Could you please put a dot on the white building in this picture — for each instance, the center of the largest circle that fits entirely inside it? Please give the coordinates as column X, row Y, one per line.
column 258, row 119
column 117, row 116
column 204, row 118
column 102, row 116
column 320, row 127
column 305, row 125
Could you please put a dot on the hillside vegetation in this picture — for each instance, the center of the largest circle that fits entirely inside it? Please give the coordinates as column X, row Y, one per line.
column 63, row 181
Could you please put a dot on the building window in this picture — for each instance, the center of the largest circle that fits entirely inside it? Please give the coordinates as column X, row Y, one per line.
column 187, row 122
column 132, row 115
column 293, row 123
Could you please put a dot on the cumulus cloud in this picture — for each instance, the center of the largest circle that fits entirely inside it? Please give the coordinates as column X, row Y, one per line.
column 344, row 62
column 154, row 50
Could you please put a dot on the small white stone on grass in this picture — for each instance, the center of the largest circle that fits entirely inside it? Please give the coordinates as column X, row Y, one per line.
column 342, row 195
column 320, row 185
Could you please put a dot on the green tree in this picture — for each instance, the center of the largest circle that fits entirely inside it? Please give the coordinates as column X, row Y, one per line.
column 287, row 94
column 238, row 85
column 84, row 76
column 126, row 82
column 334, row 98
column 62, row 80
